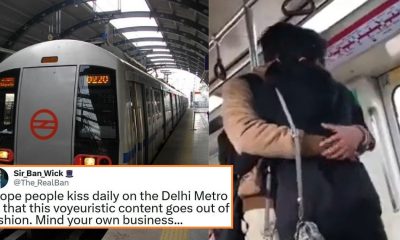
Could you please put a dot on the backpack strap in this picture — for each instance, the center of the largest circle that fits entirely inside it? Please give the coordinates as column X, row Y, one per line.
column 296, row 138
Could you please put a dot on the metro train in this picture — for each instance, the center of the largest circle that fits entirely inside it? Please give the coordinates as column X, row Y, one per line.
column 71, row 102
column 363, row 53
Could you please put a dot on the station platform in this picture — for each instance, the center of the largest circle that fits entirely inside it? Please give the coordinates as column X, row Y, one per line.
column 188, row 144
column 170, row 234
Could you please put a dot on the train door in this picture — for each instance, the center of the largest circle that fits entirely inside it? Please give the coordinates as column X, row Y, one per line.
column 139, row 113
column 390, row 86
column 136, row 124
column 382, row 163
column 164, row 117
column 168, row 113
column 150, row 123
column 174, row 120
column 132, row 129
column 179, row 106
column 390, row 89
column 158, row 118
column 45, row 115
column 176, row 107
column 176, row 110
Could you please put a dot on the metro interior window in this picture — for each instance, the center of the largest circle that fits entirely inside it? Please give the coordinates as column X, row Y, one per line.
column 396, row 102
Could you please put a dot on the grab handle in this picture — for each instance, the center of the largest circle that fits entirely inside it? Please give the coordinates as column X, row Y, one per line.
column 219, row 69
column 300, row 11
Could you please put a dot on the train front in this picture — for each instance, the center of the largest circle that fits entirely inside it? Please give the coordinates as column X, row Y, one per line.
column 58, row 105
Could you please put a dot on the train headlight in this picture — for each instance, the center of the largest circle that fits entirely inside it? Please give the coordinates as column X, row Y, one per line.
column 89, row 161
column 4, row 154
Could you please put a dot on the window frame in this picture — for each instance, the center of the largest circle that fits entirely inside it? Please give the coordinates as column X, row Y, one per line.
column 396, row 106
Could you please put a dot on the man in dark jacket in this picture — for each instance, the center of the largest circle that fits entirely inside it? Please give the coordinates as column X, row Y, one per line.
column 251, row 133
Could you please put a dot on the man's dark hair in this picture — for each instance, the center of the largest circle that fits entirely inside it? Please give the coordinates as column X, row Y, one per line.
column 307, row 87
column 289, row 42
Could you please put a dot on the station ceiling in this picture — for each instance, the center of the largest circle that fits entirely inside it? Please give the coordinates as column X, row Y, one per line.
column 157, row 33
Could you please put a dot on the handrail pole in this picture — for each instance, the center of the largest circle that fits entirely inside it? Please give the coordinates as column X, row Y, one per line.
column 252, row 35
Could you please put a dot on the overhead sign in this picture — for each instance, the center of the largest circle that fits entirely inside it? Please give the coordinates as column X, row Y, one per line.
column 44, row 124
column 377, row 26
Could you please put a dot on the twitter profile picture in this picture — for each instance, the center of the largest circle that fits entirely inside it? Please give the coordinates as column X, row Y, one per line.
column 3, row 178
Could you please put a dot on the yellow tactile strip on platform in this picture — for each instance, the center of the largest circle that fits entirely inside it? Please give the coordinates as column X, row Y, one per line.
column 173, row 234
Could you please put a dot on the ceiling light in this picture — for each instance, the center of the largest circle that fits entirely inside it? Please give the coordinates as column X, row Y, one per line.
column 331, row 14
column 158, row 55
column 142, row 34
column 104, row 5
column 392, row 47
column 133, row 22
column 160, row 50
column 149, row 43
column 126, row 5
column 164, row 63
column 162, row 59
column 136, row 5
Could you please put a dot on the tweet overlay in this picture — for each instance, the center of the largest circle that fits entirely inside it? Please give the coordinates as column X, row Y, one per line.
column 116, row 197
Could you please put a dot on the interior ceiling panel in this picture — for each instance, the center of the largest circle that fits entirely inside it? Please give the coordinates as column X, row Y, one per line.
column 235, row 42
column 203, row 20
column 186, row 14
column 169, row 24
column 24, row 10
column 22, row 25
column 189, row 30
column 221, row 12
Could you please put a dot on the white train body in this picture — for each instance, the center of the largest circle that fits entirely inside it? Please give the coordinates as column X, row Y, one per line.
column 66, row 102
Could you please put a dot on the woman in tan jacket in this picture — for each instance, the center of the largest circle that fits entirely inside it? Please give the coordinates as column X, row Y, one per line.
column 251, row 134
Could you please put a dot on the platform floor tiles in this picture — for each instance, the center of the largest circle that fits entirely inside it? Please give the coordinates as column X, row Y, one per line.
column 156, row 235
column 188, row 144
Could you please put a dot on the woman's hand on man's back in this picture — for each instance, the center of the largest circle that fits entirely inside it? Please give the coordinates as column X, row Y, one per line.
column 343, row 143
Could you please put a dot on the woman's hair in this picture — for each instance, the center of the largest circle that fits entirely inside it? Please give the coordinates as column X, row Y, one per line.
column 294, row 53
column 288, row 42
column 306, row 85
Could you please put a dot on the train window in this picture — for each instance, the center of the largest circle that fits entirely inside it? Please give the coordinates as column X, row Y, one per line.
column 157, row 98
column 396, row 100
column 167, row 101
column 173, row 102
column 149, row 102
column 8, row 88
column 96, row 110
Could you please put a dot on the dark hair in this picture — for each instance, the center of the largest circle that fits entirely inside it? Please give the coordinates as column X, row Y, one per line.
column 289, row 43
column 308, row 88
column 295, row 51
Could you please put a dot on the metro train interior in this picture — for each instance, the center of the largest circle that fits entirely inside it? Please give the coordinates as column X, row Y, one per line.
column 363, row 52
